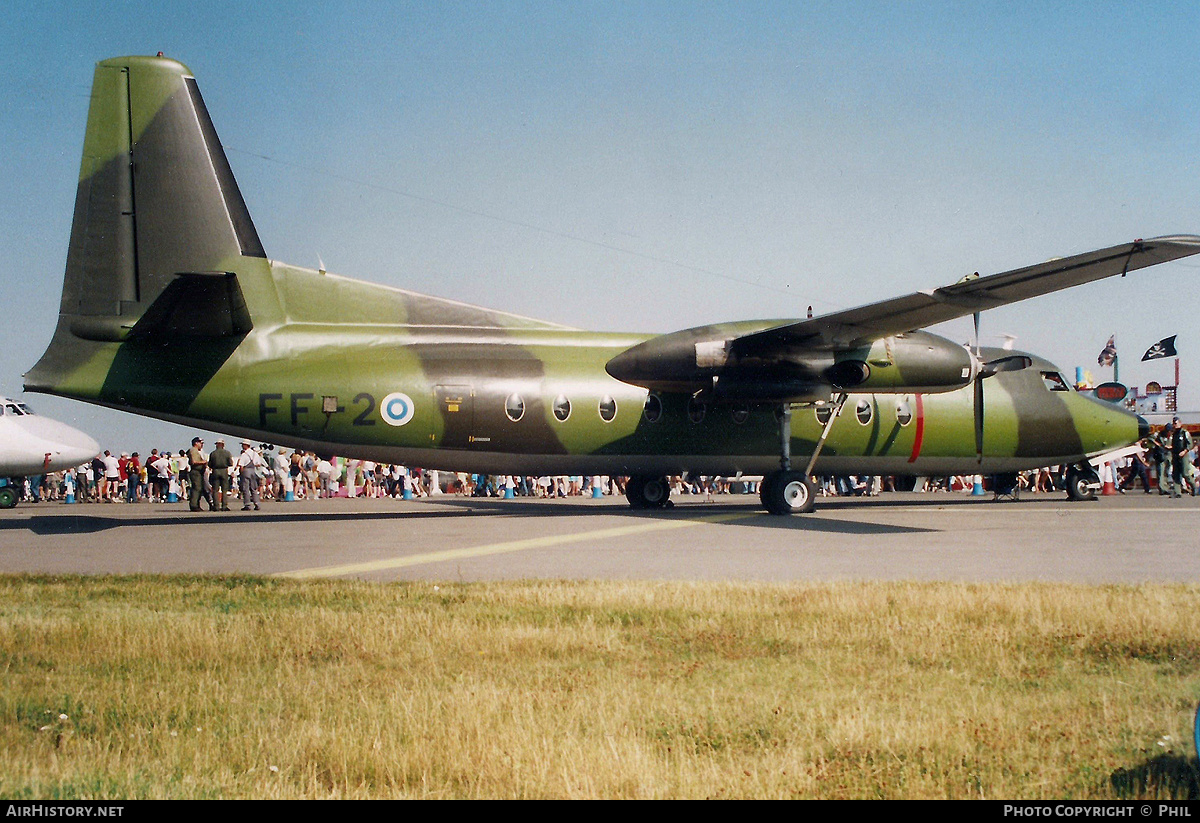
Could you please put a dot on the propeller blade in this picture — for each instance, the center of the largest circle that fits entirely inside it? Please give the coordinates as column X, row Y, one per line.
column 981, row 372
column 979, row 419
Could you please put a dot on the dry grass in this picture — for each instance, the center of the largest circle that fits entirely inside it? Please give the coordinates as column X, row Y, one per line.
column 244, row 687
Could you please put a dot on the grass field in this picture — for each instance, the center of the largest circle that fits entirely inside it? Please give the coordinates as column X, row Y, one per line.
column 205, row 687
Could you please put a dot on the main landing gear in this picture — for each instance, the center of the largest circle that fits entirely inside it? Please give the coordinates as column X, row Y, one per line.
column 648, row 492
column 782, row 492
column 787, row 491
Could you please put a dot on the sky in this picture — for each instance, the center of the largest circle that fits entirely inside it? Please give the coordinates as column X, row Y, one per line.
column 652, row 166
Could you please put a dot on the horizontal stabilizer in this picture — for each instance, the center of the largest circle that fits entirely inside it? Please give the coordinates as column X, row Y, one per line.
column 196, row 304
column 193, row 305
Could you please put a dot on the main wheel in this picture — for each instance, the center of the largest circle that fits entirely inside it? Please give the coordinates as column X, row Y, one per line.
column 8, row 497
column 788, row 493
column 644, row 492
column 1079, row 485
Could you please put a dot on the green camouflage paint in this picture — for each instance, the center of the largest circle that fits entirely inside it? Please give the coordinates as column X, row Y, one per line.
column 171, row 308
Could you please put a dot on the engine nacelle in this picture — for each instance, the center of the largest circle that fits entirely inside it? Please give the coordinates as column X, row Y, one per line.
column 913, row 363
column 706, row 359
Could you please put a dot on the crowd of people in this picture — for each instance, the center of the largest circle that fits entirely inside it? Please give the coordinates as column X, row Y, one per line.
column 1172, row 452
column 216, row 479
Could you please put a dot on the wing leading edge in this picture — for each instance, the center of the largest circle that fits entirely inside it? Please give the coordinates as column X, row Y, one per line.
column 926, row 308
column 877, row 344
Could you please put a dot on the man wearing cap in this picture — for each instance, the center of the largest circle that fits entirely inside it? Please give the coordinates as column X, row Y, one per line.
column 219, row 462
column 197, row 463
column 248, row 463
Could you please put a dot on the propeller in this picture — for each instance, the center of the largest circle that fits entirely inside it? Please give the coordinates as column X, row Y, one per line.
column 1013, row 362
column 978, row 381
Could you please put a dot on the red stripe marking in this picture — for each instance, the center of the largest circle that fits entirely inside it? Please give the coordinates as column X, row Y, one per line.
column 920, row 436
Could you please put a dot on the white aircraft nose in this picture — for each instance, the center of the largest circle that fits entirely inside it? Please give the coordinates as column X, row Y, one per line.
column 66, row 446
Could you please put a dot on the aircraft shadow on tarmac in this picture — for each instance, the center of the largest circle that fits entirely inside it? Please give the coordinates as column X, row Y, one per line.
column 753, row 516
column 92, row 524
column 47, row 526
column 466, row 506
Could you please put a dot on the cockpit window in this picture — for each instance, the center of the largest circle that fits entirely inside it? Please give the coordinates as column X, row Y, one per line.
column 11, row 408
column 24, row 409
column 1054, row 381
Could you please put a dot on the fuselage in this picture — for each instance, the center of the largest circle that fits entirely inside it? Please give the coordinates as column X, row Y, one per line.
column 501, row 395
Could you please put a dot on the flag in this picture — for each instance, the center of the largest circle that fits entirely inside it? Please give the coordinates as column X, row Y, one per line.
column 1109, row 355
column 1163, row 348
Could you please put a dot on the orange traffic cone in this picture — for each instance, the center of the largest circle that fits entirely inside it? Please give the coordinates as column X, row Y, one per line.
column 1109, row 486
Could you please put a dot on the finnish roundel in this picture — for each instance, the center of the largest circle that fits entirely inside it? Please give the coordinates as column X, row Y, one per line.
column 396, row 409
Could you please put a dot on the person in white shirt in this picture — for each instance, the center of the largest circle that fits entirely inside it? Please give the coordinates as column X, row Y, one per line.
column 247, row 464
column 112, row 476
column 325, row 478
column 282, row 480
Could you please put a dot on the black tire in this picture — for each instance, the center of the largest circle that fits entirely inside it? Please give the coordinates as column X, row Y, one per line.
column 765, row 487
column 788, row 493
column 8, row 497
column 644, row 492
column 1079, row 485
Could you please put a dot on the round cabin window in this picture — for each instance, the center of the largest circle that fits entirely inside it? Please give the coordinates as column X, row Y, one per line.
column 562, row 407
column 652, row 411
column 863, row 411
column 514, row 407
column 608, row 409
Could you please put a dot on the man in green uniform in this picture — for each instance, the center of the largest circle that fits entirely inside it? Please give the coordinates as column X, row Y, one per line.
column 220, row 461
column 1181, row 444
column 197, row 463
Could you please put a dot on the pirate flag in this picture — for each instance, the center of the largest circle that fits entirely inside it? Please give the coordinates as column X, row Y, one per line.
column 1109, row 355
column 1163, row 348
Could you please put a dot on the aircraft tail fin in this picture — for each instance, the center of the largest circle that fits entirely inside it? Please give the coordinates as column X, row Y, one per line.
column 158, row 220
column 156, row 195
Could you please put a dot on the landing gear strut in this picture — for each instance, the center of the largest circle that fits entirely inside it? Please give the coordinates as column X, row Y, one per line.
column 787, row 491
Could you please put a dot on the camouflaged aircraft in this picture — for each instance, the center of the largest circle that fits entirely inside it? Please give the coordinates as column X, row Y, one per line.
column 171, row 308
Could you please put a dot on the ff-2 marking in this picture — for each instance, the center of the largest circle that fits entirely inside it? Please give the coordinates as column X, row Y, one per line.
column 298, row 405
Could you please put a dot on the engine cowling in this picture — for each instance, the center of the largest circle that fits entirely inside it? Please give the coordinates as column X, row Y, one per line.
column 912, row 363
column 705, row 360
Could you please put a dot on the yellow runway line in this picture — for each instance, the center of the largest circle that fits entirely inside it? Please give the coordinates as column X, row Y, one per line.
column 507, row 547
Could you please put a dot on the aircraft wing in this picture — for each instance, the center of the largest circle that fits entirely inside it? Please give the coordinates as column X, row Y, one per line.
column 969, row 295
column 798, row 359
